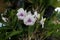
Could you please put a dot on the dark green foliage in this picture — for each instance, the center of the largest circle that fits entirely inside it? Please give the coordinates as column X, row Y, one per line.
column 17, row 30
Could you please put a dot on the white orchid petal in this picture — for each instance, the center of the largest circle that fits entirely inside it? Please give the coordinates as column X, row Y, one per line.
column 57, row 9
column 20, row 10
column 35, row 13
column 4, row 19
column 42, row 22
column 29, row 13
column 42, row 25
column 38, row 16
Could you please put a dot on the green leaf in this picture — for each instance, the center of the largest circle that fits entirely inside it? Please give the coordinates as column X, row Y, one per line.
column 48, row 34
column 31, row 29
column 56, row 3
column 12, row 34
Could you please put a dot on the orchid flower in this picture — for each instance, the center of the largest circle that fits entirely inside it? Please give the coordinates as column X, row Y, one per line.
column 29, row 19
column 21, row 14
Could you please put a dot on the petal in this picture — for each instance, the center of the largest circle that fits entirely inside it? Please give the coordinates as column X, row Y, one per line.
column 20, row 10
column 38, row 16
column 57, row 9
column 29, row 13
column 44, row 19
column 20, row 17
column 4, row 19
column 35, row 13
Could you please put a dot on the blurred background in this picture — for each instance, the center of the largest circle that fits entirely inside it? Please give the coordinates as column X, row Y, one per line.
column 11, row 29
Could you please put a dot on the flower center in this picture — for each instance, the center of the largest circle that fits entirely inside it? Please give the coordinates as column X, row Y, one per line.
column 21, row 14
column 29, row 20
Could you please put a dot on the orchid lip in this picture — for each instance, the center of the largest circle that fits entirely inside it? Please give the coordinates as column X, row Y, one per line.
column 29, row 20
column 21, row 14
